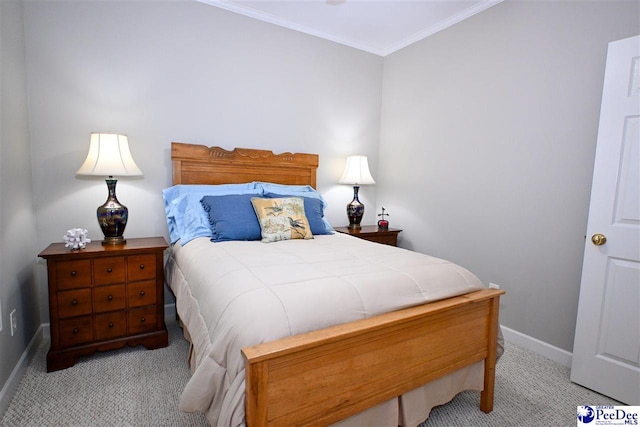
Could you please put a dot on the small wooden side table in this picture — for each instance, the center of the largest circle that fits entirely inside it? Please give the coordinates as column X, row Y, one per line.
column 105, row 297
column 373, row 234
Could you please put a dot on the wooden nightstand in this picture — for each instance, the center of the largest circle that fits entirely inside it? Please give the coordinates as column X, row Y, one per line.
column 105, row 297
column 371, row 233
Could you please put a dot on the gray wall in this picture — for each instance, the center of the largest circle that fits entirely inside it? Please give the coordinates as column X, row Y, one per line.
column 17, row 217
column 487, row 147
column 189, row 72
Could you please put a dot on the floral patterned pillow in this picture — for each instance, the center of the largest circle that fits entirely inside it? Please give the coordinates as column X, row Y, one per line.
column 282, row 218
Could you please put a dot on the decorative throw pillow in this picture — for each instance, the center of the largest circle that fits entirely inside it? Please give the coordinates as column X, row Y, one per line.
column 282, row 218
column 232, row 217
column 314, row 211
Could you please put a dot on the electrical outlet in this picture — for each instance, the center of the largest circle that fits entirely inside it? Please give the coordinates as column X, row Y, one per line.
column 494, row 286
column 13, row 321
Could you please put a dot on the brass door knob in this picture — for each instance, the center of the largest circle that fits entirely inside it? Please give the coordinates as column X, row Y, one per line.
column 599, row 239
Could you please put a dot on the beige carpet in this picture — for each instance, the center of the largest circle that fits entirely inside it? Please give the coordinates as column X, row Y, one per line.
column 137, row 387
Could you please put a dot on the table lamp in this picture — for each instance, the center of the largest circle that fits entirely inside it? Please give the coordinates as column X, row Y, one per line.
column 109, row 156
column 356, row 173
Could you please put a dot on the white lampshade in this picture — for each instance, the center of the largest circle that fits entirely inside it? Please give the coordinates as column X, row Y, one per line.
column 356, row 171
column 109, row 155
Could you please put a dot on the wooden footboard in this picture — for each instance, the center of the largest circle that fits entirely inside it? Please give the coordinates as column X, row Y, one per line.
column 325, row 376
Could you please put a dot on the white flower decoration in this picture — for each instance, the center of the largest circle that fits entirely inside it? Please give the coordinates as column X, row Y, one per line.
column 76, row 239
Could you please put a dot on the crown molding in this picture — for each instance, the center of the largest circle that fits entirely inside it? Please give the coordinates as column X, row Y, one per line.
column 443, row 25
column 380, row 51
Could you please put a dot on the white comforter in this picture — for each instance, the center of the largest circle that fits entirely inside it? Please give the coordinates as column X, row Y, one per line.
column 244, row 293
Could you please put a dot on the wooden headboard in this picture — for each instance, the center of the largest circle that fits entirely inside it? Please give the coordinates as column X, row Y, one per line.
column 199, row 164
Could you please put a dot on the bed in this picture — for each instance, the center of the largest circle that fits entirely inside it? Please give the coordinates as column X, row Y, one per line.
column 305, row 357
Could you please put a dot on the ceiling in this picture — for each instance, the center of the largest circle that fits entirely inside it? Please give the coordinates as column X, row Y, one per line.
column 376, row 26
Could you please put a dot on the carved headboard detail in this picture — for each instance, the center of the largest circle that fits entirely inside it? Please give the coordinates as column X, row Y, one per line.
column 199, row 164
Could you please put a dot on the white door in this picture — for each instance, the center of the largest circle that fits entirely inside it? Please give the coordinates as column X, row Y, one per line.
column 606, row 353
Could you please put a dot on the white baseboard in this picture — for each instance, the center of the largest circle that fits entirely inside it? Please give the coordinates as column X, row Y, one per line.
column 549, row 351
column 11, row 385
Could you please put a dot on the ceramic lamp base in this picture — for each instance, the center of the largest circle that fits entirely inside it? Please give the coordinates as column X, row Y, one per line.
column 112, row 217
column 355, row 209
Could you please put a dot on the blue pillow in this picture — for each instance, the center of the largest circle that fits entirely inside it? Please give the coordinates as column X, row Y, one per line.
column 232, row 217
column 313, row 210
column 176, row 191
column 186, row 219
column 270, row 187
column 191, row 220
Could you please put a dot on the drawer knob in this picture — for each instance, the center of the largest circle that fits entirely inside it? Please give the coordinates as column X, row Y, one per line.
column 110, row 297
column 141, row 266
column 76, row 330
column 111, row 324
column 141, row 293
column 73, row 273
column 142, row 320
column 109, row 270
column 74, row 302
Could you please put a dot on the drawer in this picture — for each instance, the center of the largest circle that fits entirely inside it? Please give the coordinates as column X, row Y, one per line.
column 76, row 331
column 111, row 325
column 141, row 267
column 109, row 298
column 108, row 270
column 142, row 320
column 74, row 303
column 73, row 274
column 142, row 293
